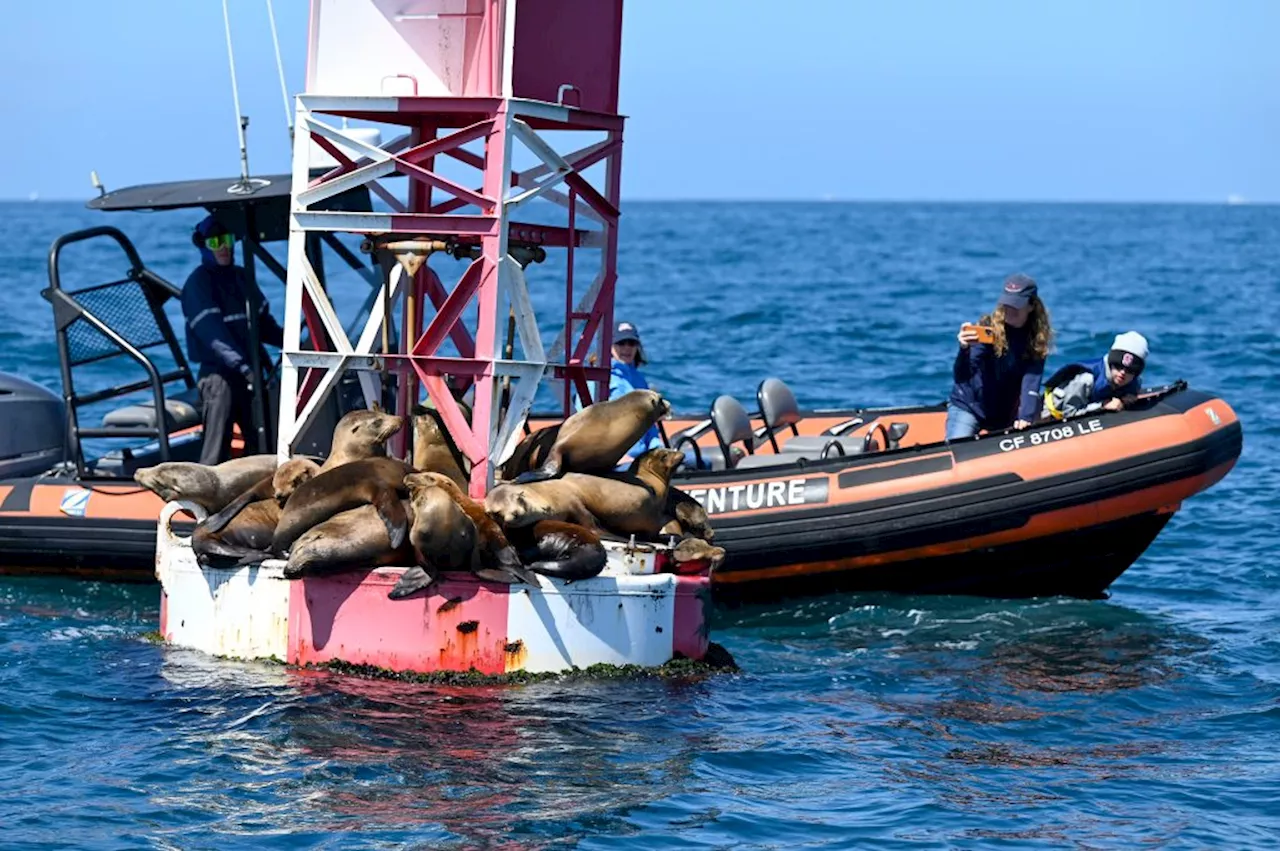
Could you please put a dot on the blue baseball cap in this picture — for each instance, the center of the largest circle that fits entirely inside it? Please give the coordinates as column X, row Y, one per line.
column 1018, row 291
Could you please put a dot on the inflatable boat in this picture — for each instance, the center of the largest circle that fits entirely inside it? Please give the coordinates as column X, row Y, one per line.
column 810, row 502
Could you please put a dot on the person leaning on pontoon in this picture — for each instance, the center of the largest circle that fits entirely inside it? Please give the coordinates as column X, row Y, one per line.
column 997, row 384
column 1107, row 383
column 213, row 301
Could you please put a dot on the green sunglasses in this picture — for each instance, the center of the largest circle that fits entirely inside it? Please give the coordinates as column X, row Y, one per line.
column 225, row 240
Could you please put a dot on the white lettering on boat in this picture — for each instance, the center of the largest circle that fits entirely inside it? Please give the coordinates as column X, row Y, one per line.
column 760, row 495
column 1040, row 438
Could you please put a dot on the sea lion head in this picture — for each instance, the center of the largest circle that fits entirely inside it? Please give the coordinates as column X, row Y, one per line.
column 290, row 475
column 651, row 402
column 171, row 480
column 510, row 506
column 661, row 462
column 369, row 429
column 421, row 481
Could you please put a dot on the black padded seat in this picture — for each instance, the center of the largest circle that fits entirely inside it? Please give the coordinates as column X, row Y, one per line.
column 182, row 410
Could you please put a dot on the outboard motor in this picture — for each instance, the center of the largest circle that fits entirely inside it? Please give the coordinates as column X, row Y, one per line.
column 33, row 426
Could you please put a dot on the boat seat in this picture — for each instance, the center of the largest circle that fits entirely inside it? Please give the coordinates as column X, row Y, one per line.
column 731, row 424
column 771, row 460
column 811, row 445
column 182, row 410
column 778, row 409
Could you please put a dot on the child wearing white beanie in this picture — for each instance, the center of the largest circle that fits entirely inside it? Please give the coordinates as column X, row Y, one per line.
column 1108, row 383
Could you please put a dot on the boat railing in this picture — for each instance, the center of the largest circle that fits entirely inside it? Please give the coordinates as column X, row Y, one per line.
column 104, row 320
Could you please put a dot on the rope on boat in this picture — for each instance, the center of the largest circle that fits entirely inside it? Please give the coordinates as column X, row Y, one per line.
column 284, row 89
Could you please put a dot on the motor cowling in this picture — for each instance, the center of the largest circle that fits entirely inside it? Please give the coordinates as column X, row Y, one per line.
column 33, row 428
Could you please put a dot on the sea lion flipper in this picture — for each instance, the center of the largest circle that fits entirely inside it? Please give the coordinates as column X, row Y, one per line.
column 584, row 562
column 262, row 490
column 506, row 576
column 414, row 580
column 253, row 557
column 391, row 512
column 540, row 475
column 566, row 551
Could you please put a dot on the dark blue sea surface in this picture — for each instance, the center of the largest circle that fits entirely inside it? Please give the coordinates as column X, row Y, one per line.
column 873, row 720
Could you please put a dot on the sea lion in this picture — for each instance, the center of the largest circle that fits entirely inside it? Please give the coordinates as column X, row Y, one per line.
column 684, row 515
column 351, row 539
column 246, row 536
column 562, row 550
column 620, row 503
column 594, row 439
column 433, row 449
column 211, row 488
column 695, row 549
column 371, row 481
column 495, row 558
column 442, row 538
column 360, row 434
column 279, row 486
column 531, row 452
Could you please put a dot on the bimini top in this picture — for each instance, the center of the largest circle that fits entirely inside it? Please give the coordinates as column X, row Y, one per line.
column 208, row 194
column 231, row 200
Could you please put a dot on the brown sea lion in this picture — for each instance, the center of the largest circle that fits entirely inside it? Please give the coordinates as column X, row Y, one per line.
column 371, row 481
column 594, row 439
column 442, row 538
column 495, row 558
column 352, row 539
column 211, row 488
column 244, row 540
column 531, row 452
column 361, row 434
column 433, row 449
column 684, row 515
column 622, row 503
column 279, row 486
column 696, row 549
column 562, row 550
column 247, row 536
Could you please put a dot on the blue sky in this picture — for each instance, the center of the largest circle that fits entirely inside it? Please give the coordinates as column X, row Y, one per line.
column 1109, row 101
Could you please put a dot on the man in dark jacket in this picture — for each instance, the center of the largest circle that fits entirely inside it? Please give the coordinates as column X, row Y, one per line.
column 214, row 303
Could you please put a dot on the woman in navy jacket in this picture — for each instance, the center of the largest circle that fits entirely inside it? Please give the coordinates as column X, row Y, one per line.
column 997, row 384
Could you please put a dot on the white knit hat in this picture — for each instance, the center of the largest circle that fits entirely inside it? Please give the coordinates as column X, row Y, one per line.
column 1133, row 343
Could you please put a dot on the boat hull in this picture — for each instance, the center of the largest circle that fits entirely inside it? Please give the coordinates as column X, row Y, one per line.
column 1058, row 509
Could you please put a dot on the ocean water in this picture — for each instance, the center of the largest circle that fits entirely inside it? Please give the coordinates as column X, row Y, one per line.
column 1151, row 718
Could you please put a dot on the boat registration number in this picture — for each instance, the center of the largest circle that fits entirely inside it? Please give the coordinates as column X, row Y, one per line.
column 756, row 495
column 1039, row 438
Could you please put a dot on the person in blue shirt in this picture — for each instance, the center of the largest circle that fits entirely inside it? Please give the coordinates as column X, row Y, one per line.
column 625, row 376
column 997, row 384
column 215, row 307
column 1108, row 383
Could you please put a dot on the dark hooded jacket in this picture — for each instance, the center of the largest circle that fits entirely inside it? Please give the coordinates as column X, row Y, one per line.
column 998, row 390
column 215, row 306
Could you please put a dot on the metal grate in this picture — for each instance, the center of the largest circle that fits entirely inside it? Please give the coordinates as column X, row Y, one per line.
column 123, row 307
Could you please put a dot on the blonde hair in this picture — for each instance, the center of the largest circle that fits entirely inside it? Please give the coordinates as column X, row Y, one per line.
column 1041, row 331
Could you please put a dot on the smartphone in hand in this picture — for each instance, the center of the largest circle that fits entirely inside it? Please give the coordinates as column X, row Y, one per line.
column 986, row 334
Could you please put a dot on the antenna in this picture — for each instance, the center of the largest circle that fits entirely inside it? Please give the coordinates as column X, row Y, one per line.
column 243, row 186
column 97, row 184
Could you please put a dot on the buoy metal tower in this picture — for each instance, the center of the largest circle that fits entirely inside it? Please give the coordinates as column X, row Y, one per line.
column 472, row 88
